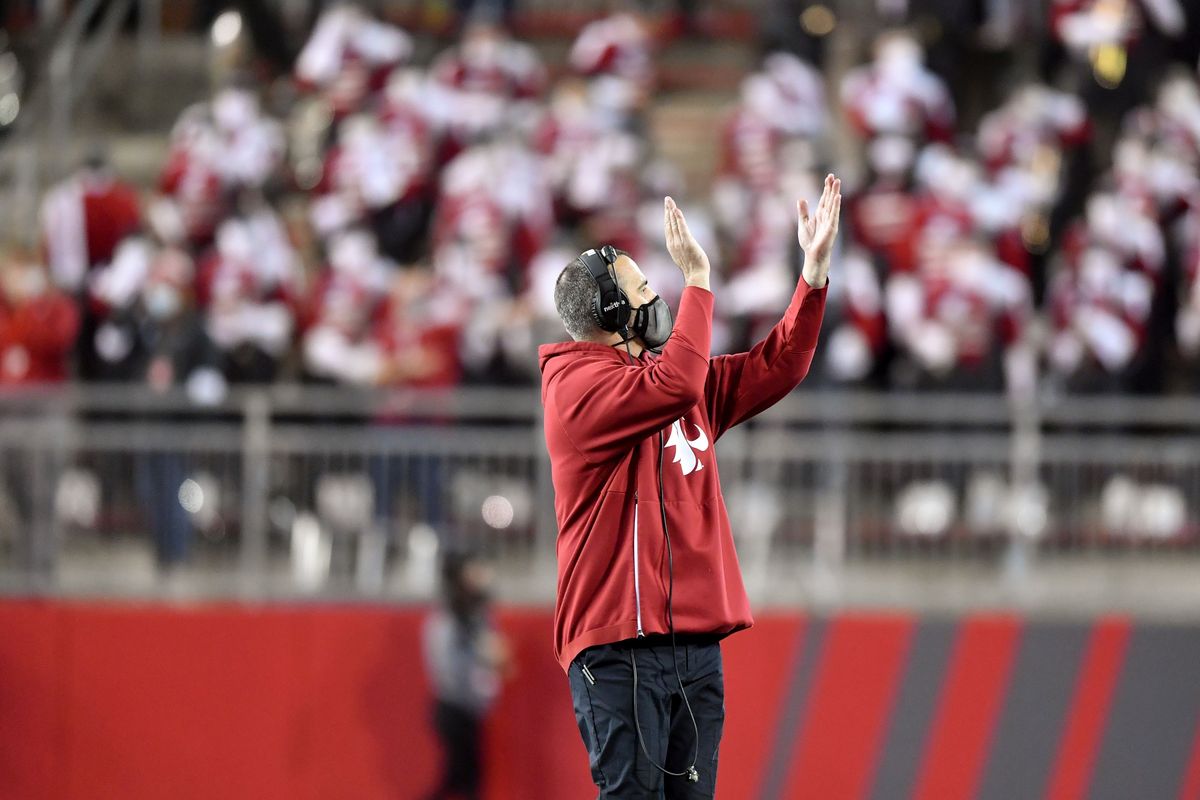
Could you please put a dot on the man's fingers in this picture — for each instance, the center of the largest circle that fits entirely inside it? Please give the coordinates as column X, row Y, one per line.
column 833, row 190
column 823, row 203
column 684, row 232
column 680, row 225
column 669, row 226
column 802, row 208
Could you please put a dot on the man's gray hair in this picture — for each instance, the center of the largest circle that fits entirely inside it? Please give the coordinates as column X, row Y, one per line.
column 573, row 293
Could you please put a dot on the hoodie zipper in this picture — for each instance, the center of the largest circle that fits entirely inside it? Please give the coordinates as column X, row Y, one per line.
column 637, row 583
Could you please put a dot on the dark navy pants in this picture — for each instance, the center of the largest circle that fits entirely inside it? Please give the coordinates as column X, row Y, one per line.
column 601, row 681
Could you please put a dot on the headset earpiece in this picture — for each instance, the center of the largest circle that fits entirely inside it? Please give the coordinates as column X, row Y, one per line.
column 610, row 305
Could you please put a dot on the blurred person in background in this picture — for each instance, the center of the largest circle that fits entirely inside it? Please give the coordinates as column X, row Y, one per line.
column 856, row 347
column 616, row 55
column 377, row 173
column 417, row 335
column 344, row 305
column 1115, row 50
column 466, row 660
column 38, row 324
column 958, row 321
column 1034, row 150
column 589, row 160
column 895, row 94
column 644, row 668
column 170, row 349
column 247, row 287
column 218, row 149
column 83, row 218
column 1187, row 322
column 482, row 82
column 38, row 328
column 780, row 114
column 495, row 213
column 348, row 57
column 1106, row 282
column 191, row 195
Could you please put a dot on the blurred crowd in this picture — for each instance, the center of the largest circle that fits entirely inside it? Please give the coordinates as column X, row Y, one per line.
column 386, row 222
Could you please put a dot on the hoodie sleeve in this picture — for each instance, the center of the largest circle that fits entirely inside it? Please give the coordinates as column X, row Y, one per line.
column 607, row 407
column 744, row 384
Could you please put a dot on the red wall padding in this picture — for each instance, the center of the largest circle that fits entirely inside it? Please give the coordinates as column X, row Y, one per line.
column 132, row 701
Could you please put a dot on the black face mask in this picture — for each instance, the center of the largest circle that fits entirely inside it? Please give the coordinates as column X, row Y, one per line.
column 652, row 323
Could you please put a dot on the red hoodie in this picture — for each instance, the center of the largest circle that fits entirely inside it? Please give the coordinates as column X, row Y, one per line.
column 603, row 420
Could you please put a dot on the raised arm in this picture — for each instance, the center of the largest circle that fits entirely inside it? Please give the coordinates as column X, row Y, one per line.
column 742, row 385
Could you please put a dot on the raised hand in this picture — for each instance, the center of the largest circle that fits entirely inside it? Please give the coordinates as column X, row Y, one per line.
column 685, row 251
column 816, row 232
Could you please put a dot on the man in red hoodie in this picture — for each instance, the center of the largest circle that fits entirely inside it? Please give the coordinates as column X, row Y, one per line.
column 648, row 577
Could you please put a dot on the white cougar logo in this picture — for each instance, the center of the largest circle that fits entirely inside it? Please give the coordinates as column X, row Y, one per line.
column 685, row 448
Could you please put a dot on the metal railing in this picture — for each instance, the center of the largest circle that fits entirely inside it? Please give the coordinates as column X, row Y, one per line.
column 296, row 490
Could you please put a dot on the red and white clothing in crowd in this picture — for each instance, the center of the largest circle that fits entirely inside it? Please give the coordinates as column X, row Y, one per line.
column 403, row 113
column 486, row 81
column 1102, row 292
column 489, row 61
column 349, row 55
column 522, row 188
column 855, row 343
column 83, row 219
column 1157, row 157
column 495, row 210
column 1034, row 119
column 750, row 146
column 999, row 207
column 895, row 94
column 375, row 165
column 588, row 161
column 1124, row 225
column 343, row 307
column 251, row 144
column 1162, row 177
column 607, row 179
column 1082, row 25
column 961, row 307
column 783, row 101
column 471, row 234
column 886, row 218
column 617, row 54
column 417, row 332
column 762, row 262
column 116, row 286
column 793, row 95
column 250, row 285
column 568, row 131
column 1176, row 114
column 399, row 327
column 216, row 149
column 959, row 195
column 1187, row 320
column 191, row 185
column 1098, row 312
column 38, row 326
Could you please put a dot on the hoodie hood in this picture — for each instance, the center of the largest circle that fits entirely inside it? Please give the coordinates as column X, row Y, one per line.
column 553, row 357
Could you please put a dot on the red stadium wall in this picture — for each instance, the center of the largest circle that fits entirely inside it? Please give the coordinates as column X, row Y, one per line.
column 155, row 701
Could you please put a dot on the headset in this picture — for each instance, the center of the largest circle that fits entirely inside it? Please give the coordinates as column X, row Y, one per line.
column 610, row 305
column 610, row 309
